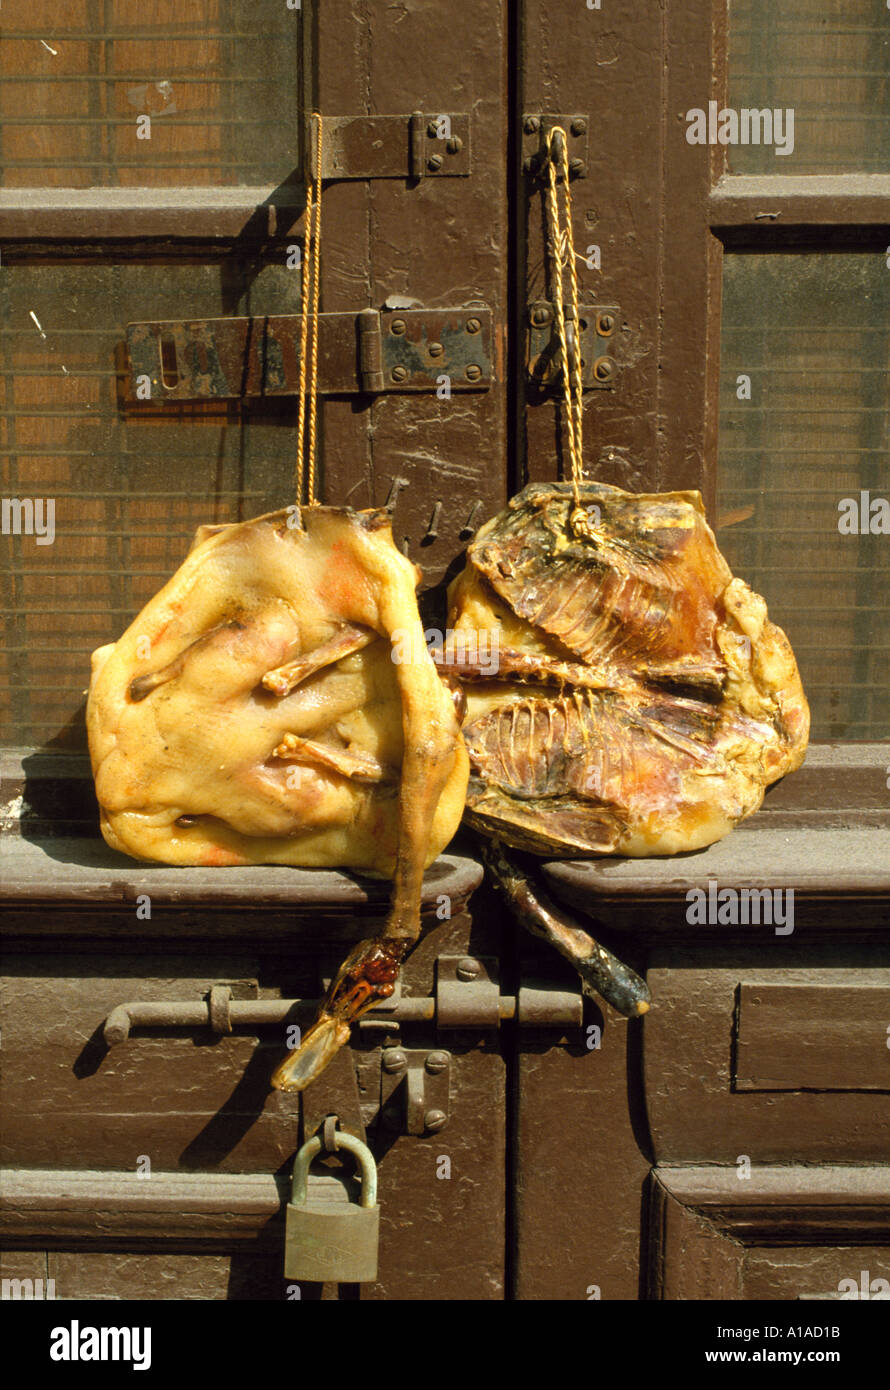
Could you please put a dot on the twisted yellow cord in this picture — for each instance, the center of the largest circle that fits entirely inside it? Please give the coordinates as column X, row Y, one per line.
column 309, row 361
column 563, row 246
column 304, row 325
column 316, row 280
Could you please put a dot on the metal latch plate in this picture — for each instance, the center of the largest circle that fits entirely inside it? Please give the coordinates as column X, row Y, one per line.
column 597, row 329
column 467, row 992
column 415, row 1089
column 534, row 136
column 391, row 350
column 420, row 145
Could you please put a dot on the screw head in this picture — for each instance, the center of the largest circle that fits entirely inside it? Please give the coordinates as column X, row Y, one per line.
column 473, row 372
column 437, row 1062
column 541, row 314
column 435, row 349
column 532, row 124
column 454, row 145
column 394, row 1060
column 473, row 325
column 432, row 130
column 579, row 127
column 576, row 167
column 434, row 1120
column 467, row 969
column 399, row 373
column 434, row 162
column 604, row 369
column 605, row 324
column 397, row 326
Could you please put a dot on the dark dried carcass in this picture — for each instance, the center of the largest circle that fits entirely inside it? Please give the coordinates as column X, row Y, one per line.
column 642, row 701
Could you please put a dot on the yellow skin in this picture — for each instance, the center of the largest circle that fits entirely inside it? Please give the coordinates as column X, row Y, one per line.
column 310, row 778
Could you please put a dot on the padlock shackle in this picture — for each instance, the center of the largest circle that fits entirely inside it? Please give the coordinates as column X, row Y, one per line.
column 312, row 1148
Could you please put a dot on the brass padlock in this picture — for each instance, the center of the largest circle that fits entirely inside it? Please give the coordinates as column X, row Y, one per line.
column 330, row 1242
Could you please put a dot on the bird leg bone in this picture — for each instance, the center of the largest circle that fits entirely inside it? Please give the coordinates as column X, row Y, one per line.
column 599, row 969
column 361, row 767
column 349, row 639
column 140, row 686
column 282, row 680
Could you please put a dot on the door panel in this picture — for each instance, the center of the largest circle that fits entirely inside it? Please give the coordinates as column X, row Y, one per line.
column 698, row 1053
column 581, row 1160
column 781, row 1233
column 579, row 60
column 442, row 242
column 173, row 1133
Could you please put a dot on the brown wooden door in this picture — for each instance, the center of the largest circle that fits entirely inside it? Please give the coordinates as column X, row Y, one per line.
column 153, row 169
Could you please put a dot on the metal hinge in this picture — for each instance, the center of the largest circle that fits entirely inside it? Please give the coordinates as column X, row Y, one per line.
column 371, row 351
column 596, row 327
column 416, row 146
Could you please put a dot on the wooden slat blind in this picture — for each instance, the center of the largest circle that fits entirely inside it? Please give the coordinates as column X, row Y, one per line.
column 812, row 333
column 129, row 486
column 829, row 60
column 218, row 78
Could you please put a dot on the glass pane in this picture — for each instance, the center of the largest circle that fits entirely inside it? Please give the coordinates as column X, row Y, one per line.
column 829, row 62
column 127, row 489
column 218, row 81
column 803, row 477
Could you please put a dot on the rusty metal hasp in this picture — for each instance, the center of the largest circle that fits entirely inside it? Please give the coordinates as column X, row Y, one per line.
column 406, row 349
column 371, row 352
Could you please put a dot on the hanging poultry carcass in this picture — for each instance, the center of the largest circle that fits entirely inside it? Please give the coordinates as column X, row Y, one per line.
column 252, row 714
column 642, row 702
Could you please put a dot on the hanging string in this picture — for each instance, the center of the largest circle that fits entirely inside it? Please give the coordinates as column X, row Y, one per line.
column 304, row 326
column 316, row 281
column 309, row 360
column 563, row 247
